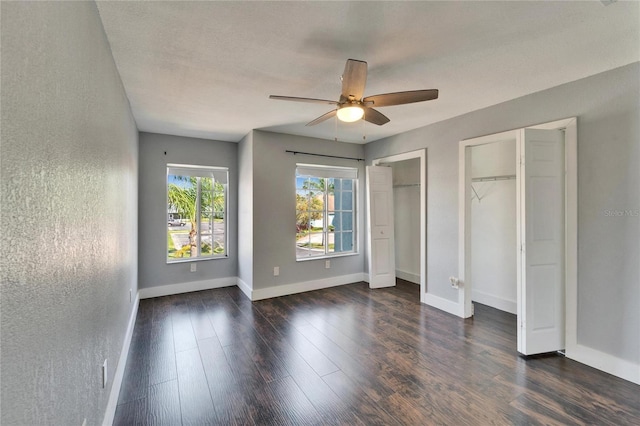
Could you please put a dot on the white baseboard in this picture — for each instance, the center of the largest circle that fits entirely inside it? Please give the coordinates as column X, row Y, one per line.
column 110, row 412
column 408, row 276
column 287, row 289
column 446, row 305
column 167, row 290
column 494, row 301
column 244, row 287
column 624, row 369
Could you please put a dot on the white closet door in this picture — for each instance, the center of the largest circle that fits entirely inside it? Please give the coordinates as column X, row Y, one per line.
column 541, row 289
column 382, row 263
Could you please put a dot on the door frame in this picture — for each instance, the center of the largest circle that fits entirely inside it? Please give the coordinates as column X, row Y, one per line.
column 422, row 155
column 569, row 125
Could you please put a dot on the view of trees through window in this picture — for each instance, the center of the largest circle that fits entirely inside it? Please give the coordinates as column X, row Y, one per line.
column 196, row 210
column 324, row 215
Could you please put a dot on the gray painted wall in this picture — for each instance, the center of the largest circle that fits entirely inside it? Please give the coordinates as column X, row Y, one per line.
column 274, row 208
column 153, row 268
column 608, row 110
column 69, row 213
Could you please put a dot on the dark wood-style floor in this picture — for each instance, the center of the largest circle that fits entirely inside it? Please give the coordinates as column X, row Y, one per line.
column 350, row 355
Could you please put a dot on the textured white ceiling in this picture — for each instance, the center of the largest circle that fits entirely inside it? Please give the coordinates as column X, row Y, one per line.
column 206, row 69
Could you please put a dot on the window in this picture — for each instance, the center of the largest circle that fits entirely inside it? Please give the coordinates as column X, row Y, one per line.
column 196, row 212
column 325, row 211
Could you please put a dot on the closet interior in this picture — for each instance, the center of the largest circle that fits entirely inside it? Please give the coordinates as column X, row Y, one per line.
column 406, row 200
column 493, row 225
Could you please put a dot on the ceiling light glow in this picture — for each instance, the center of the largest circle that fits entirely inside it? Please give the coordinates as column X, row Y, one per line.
column 350, row 114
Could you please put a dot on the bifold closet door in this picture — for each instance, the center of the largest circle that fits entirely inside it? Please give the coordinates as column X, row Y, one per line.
column 382, row 258
column 541, row 232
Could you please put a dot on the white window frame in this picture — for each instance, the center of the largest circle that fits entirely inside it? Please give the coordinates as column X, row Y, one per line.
column 331, row 172
column 220, row 175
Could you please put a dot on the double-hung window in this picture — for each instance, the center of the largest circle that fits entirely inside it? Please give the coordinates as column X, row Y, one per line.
column 196, row 212
column 325, row 211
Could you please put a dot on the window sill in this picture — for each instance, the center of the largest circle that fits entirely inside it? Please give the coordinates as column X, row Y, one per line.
column 326, row 256
column 198, row 259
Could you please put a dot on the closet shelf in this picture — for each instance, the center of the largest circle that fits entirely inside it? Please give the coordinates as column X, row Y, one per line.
column 406, row 185
column 488, row 179
column 493, row 178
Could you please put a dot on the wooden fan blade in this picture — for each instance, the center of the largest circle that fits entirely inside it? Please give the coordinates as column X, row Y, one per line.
column 323, row 118
column 310, row 100
column 375, row 117
column 400, row 98
column 354, row 78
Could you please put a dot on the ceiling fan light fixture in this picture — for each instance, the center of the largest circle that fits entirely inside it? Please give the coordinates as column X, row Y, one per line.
column 350, row 113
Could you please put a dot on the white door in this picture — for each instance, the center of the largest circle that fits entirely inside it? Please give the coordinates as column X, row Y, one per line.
column 382, row 263
column 541, row 270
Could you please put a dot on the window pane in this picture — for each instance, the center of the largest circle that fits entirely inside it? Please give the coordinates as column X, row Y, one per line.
column 300, row 182
column 317, row 221
column 347, row 201
column 324, row 211
column 311, row 244
column 346, row 221
column 346, row 240
column 206, row 248
column 195, row 205
column 316, row 243
column 302, row 243
column 302, row 194
column 181, row 206
column 330, row 241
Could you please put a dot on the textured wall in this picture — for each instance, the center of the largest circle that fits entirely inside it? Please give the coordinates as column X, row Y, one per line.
column 608, row 109
column 69, row 213
column 153, row 268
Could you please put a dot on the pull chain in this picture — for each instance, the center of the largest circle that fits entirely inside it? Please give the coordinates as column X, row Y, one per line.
column 364, row 133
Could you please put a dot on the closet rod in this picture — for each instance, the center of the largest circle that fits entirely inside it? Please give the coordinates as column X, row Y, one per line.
column 492, row 178
column 323, row 155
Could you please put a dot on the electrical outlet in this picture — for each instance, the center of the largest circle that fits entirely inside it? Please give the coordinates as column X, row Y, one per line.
column 455, row 282
column 104, row 374
column 276, row 271
column 130, row 295
column 327, row 264
column 194, row 267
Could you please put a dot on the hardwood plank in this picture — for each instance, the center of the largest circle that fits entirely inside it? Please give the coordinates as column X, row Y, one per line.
column 162, row 357
column 160, row 408
column 366, row 408
column 200, row 322
column 184, row 337
column 262, row 405
column 131, row 413
column 332, row 410
column 295, row 405
column 137, row 368
column 163, row 404
column 268, row 364
column 297, row 341
column 195, row 399
column 229, row 399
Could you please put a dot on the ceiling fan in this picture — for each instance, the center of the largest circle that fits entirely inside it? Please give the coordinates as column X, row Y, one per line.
column 352, row 106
